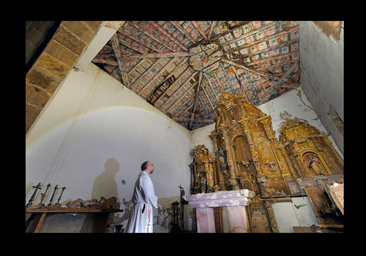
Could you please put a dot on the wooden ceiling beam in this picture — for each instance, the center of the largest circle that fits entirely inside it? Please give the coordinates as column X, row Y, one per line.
column 185, row 119
column 213, row 24
column 121, row 41
column 203, row 88
column 182, row 30
column 195, row 100
column 243, row 67
column 177, row 79
column 199, row 29
column 168, row 35
column 227, row 77
column 181, row 86
column 171, row 73
column 136, row 66
column 209, row 82
column 241, row 85
column 186, row 109
column 152, row 36
column 157, row 75
column 203, row 105
column 156, row 55
column 146, row 71
column 279, row 83
column 290, row 85
column 139, row 41
column 194, row 84
column 117, row 50
column 104, row 61
column 255, row 31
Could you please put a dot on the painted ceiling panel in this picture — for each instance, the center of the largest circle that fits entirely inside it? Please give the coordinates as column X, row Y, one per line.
column 163, row 61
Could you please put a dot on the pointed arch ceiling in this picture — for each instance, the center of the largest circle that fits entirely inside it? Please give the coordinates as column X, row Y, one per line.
column 183, row 67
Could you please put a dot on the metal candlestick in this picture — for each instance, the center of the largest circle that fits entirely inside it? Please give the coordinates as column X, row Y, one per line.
column 60, row 196
column 32, row 197
column 53, row 194
column 43, row 196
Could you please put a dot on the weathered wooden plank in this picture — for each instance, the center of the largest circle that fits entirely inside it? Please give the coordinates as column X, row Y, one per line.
column 104, row 61
column 181, row 29
column 203, row 88
column 121, row 41
column 243, row 67
column 184, row 119
column 117, row 50
column 171, row 73
column 241, row 85
column 290, row 85
column 195, row 100
column 168, row 35
column 213, row 24
column 255, row 31
column 209, row 82
column 157, row 75
column 199, row 29
column 136, row 66
column 177, row 101
column 279, row 83
column 227, row 77
column 152, row 36
column 176, row 81
column 189, row 78
column 156, row 55
column 143, row 74
column 139, row 41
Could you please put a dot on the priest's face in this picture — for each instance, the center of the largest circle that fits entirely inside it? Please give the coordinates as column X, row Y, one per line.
column 150, row 167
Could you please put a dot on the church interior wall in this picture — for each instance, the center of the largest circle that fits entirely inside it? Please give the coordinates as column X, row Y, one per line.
column 322, row 74
column 92, row 139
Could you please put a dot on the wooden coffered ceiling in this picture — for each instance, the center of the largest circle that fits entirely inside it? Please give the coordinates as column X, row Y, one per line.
column 183, row 67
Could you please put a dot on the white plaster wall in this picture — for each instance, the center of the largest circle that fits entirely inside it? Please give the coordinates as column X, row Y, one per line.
column 200, row 136
column 296, row 213
column 322, row 74
column 94, row 127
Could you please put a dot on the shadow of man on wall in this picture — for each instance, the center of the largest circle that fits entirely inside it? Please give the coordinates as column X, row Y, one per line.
column 105, row 185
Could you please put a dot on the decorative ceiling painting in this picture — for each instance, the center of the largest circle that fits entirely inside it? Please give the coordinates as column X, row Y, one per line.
column 182, row 67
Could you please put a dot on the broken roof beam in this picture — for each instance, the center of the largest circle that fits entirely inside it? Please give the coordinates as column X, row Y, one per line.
column 117, row 50
column 156, row 55
column 139, row 41
column 176, row 81
column 171, row 73
column 152, row 36
column 157, row 75
column 195, row 100
column 279, row 83
column 199, row 29
column 168, row 35
column 185, row 119
column 182, row 30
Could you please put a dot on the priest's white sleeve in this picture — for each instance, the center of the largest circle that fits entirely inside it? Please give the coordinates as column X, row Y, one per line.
column 148, row 190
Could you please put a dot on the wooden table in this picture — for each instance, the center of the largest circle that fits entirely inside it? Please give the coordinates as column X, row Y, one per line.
column 101, row 224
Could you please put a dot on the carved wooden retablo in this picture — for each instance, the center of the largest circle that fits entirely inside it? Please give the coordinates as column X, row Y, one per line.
column 249, row 156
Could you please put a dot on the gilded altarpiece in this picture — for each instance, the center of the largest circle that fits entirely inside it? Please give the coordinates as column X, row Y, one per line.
column 249, row 156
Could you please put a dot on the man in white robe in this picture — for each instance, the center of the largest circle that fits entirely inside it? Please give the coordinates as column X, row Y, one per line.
column 141, row 216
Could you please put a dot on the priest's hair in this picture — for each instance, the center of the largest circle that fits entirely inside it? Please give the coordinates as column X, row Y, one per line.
column 144, row 166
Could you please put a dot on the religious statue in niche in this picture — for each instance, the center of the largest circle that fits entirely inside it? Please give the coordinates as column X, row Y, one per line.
column 202, row 171
column 312, row 162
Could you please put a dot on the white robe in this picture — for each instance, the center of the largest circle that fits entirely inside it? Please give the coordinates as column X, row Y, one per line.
column 143, row 194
